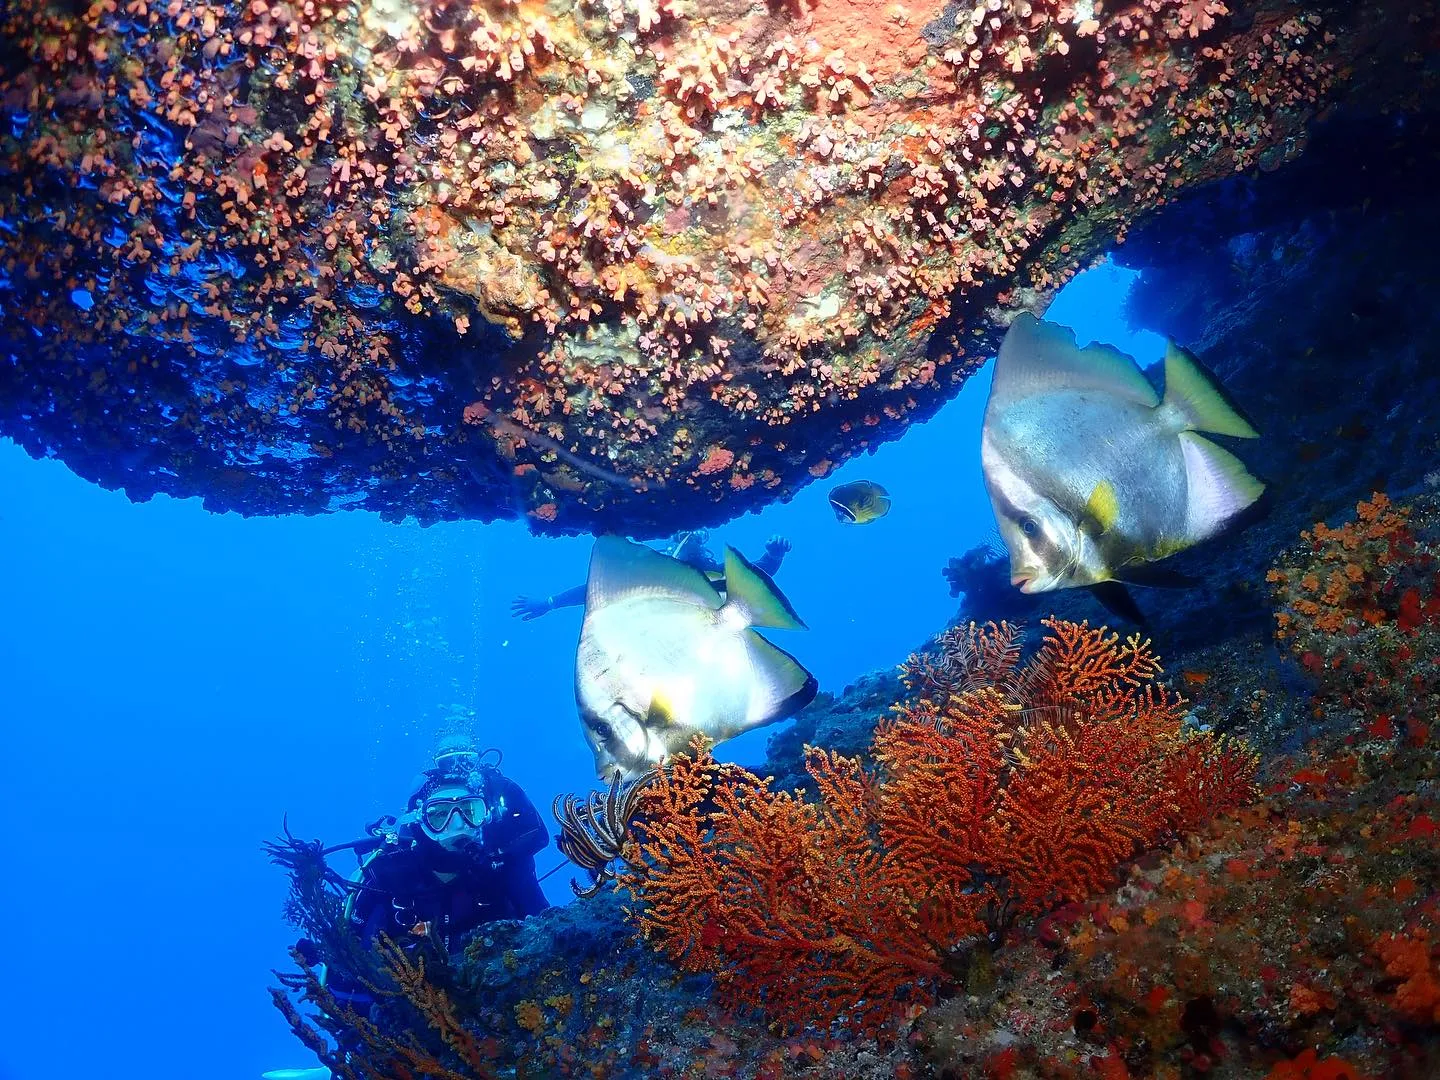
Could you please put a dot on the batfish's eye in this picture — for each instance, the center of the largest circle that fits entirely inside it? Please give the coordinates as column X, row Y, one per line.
column 1029, row 526
column 603, row 731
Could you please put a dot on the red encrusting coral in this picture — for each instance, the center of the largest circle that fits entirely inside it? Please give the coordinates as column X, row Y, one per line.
column 1006, row 789
column 1414, row 960
column 697, row 224
column 1307, row 1065
column 1296, row 937
column 1359, row 608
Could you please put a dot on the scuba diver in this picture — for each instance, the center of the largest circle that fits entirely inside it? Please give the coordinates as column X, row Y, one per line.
column 690, row 547
column 463, row 854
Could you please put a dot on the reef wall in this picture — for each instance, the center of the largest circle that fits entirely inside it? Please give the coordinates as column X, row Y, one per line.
column 1309, row 292
column 1296, row 938
column 611, row 265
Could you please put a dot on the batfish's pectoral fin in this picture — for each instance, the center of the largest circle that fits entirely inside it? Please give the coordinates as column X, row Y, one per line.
column 1102, row 509
column 661, row 714
column 1155, row 577
column 1118, row 601
column 664, row 730
column 781, row 687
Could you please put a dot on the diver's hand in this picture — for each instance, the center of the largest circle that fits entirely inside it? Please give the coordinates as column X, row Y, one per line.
column 527, row 607
column 776, row 546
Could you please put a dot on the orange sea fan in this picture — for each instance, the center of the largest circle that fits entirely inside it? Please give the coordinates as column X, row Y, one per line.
column 966, row 657
column 1005, row 789
column 735, row 878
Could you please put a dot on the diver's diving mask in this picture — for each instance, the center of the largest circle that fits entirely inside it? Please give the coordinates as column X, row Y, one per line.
column 439, row 811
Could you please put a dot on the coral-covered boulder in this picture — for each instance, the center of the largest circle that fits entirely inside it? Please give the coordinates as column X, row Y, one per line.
column 614, row 265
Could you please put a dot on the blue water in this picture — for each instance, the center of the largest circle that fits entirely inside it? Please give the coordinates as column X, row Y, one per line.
column 175, row 681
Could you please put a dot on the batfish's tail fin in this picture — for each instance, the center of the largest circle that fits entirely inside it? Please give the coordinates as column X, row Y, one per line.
column 1196, row 400
column 752, row 593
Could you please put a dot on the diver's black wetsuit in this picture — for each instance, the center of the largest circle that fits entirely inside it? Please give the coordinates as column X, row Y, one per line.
column 456, row 890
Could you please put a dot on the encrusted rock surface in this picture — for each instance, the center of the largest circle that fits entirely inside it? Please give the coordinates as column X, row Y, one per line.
column 611, row 265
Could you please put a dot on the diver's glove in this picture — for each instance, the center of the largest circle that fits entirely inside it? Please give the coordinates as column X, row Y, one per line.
column 527, row 607
column 776, row 547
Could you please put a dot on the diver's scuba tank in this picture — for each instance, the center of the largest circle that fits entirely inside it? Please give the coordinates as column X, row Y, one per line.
column 457, row 758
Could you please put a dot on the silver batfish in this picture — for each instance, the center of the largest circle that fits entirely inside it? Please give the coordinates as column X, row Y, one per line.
column 1092, row 475
column 664, row 656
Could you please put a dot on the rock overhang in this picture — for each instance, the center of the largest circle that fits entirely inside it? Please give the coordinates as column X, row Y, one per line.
column 620, row 267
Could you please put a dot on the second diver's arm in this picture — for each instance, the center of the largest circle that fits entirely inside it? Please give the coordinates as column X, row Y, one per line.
column 775, row 549
column 528, row 607
column 569, row 598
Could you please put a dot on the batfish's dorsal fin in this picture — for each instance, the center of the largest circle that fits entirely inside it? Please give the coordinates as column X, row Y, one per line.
column 1197, row 401
column 752, row 593
column 1103, row 507
column 1218, row 487
column 1038, row 356
column 620, row 568
column 781, row 687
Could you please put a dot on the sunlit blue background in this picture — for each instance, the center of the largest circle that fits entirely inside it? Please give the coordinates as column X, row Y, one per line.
column 175, row 681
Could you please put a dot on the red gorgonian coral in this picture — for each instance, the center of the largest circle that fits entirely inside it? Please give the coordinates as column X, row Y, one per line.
column 1005, row 789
